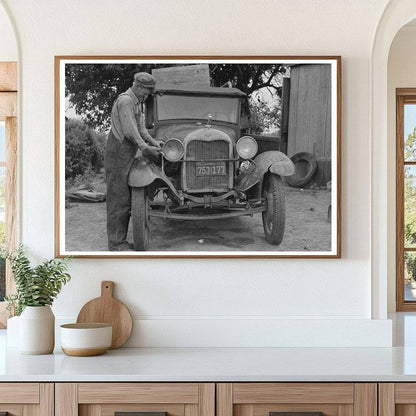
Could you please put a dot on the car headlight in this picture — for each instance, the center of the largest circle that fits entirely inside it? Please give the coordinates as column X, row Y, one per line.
column 246, row 147
column 173, row 150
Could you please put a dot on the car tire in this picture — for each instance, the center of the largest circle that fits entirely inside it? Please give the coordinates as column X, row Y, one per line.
column 140, row 218
column 305, row 168
column 275, row 214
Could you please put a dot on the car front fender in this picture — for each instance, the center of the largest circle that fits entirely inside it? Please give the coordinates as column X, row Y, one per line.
column 144, row 172
column 271, row 161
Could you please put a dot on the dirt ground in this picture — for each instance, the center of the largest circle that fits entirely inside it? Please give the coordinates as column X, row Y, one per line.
column 307, row 228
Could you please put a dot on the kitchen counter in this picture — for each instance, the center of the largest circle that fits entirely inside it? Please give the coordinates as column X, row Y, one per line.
column 213, row 364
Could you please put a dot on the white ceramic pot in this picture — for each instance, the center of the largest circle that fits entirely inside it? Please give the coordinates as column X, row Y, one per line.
column 37, row 330
column 85, row 339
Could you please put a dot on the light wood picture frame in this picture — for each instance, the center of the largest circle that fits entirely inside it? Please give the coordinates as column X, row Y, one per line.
column 248, row 164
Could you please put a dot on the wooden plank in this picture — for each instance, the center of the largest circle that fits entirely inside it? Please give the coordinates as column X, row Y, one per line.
column 66, row 399
column 285, row 107
column 27, row 393
column 224, row 399
column 405, row 393
column 293, row 111
column 365, row 403
column 207, row 399
column 386, row 400
column 303, row 139
column 189, row 75
column 315, row 111
column 293, row 393
column 138, row 393
column 328, row 122
column 47, row 399
column 8, row 76
column 8, row 105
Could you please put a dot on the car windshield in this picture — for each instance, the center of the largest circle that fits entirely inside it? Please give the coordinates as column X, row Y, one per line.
column 196, row 107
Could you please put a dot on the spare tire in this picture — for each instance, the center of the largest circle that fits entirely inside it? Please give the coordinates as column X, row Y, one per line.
column 305, row 170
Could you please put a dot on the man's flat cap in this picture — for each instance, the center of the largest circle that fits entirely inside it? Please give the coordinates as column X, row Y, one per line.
column 145, row 79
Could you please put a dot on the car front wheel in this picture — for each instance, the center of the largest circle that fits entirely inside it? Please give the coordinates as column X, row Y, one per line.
column 140, row 218
column 274, row 216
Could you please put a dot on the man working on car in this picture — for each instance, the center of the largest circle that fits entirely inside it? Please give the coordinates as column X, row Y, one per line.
column 128, row 138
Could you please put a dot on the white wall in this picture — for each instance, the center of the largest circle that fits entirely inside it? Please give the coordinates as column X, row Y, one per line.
column 179, row 302
column 8, row 47
column 401, row 74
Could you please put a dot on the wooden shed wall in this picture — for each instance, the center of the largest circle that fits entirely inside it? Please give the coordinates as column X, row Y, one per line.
column 309, row 127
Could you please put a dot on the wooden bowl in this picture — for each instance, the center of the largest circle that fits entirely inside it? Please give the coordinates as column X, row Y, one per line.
column 84, row 340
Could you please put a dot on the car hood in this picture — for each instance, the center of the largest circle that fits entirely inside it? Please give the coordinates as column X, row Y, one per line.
column 182, row 130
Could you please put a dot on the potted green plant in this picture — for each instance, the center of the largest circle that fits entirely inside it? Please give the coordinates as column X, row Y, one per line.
column 36, row 289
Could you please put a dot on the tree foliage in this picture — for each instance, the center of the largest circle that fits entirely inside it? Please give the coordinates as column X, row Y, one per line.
column 84, row 149
column 410, row 191
column 265, row 118
column 410, row 205
column 410, row 146
column 249, row 78
column 92, row 88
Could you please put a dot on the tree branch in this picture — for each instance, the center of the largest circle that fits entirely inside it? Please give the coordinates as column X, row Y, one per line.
column 267, row 83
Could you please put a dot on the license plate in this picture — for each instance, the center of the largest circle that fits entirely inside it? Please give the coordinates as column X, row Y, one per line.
column 210, row 169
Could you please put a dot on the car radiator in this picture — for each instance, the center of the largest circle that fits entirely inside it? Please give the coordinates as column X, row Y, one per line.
column 203, row 170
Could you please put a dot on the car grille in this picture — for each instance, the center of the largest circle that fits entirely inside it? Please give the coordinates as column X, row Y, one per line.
column 210, row 151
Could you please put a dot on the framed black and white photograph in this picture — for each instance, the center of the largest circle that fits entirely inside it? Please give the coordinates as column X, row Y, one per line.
column 198, row 156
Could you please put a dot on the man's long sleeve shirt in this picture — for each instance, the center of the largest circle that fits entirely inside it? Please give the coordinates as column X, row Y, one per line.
column 127, row 120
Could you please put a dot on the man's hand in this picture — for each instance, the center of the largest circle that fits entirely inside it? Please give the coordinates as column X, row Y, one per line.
column 152, row 153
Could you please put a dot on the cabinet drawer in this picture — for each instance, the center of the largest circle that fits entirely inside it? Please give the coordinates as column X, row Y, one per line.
column 153, row 399
column 296, row 399
column 21, row 399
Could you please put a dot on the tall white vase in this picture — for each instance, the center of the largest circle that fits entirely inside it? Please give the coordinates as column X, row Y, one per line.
column 37, row 330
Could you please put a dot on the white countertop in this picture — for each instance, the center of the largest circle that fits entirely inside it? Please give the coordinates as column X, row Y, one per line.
column 213, row 364
column 222, row 364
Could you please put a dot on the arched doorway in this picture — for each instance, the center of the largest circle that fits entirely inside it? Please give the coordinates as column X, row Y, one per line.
column 396, row 14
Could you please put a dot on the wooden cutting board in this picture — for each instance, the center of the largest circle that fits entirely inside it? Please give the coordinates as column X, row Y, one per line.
column 107, row 309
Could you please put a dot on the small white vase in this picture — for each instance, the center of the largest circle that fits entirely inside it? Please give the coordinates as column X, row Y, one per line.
column 37, row 330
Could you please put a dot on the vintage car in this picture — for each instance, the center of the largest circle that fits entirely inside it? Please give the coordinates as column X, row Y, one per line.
column 208, row 170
